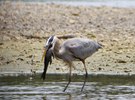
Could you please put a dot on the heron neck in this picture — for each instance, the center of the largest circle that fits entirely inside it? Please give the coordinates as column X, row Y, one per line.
column 56, row 49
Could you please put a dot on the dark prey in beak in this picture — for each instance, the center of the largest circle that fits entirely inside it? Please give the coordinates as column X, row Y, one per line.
column 47, row 60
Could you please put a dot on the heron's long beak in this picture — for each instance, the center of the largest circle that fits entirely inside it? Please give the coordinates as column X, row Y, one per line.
column 44, row 54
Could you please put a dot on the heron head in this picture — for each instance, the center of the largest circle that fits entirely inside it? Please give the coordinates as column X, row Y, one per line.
column 49, row 44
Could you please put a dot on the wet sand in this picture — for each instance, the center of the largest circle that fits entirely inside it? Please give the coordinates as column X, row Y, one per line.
column 113, row 27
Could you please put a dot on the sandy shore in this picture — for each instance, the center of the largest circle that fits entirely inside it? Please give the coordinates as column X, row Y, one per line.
column 113, row 27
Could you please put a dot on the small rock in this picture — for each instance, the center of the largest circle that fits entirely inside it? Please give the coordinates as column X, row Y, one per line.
column 75, row 14
column 128, row 56
column 1, row 43
column 30, row 56
column 126, row 71
column 71, row 21
column 33, row 71
column 20, row 59
column 99, row 68
column 107, row 64
column 57, row 68
column 121, row 61
column 8, row 62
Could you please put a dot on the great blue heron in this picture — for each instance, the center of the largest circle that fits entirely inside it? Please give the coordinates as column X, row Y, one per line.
column 74, row 49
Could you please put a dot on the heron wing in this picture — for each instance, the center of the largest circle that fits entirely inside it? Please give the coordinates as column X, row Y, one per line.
column 81, row 48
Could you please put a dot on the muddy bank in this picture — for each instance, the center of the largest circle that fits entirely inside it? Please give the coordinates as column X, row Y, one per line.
column 113, row 27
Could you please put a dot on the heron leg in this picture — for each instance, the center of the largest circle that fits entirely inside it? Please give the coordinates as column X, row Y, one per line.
column 86, row 75
column 70, row 69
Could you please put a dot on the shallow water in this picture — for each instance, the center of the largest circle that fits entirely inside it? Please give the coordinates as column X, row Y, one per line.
column 112, row 3
column 101, row 87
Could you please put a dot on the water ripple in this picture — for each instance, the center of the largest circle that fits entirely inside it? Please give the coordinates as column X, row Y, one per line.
column 36, row 89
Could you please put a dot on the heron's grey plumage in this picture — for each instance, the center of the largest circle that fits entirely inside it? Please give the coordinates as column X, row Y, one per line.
column 72, row 50
column 79, row 48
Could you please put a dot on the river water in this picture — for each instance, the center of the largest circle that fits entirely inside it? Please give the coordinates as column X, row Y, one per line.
column 98, row 87
column 113, row 3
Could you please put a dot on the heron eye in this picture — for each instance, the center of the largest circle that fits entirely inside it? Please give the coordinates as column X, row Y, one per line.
column 50, row 45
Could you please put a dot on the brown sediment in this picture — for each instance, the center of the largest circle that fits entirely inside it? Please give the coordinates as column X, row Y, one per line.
column 113, row 27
